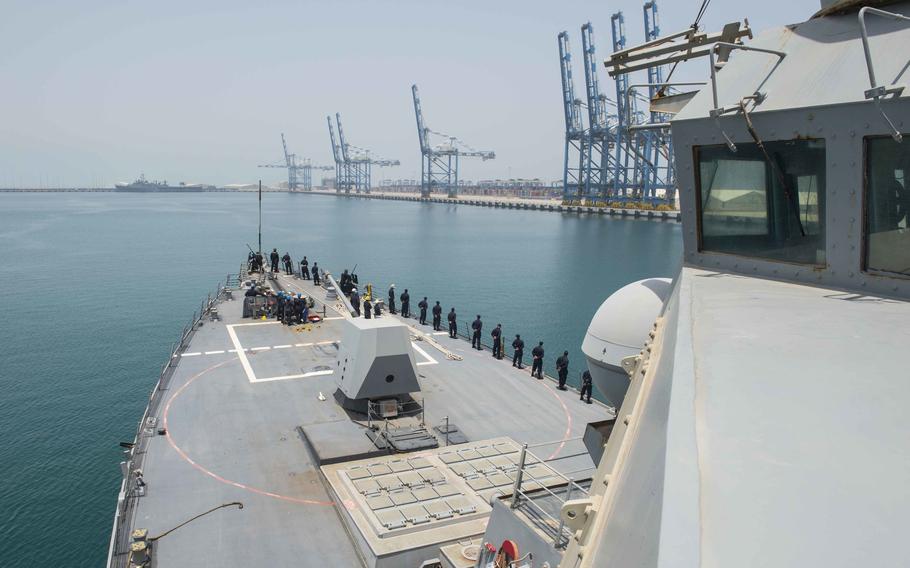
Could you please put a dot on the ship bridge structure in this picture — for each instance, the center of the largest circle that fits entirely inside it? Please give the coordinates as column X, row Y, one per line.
column 765, row 419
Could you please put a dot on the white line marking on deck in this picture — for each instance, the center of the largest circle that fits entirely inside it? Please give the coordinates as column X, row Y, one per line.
column 264, row 348
column 255, row 323
column 281, row 347
column 244, row 362
column 214, row 352
column 191, row 354
column 333, row 318
column 300, row 376
column 429, row 360
column 440, row 333
column 303, row 344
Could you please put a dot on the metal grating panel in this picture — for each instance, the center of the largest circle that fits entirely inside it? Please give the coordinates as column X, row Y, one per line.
column 479, row 483
column 446, row 490
column 487, row 451
column 449, row 458
column 358, row 473
column 399, row 465
column 418, row 463
column 415, row 514
column 461, row 505
column 389, row 483
column 425, row 494
column 379, row 469
column 439, row 510
column 381, row 502
column 411, row 479
column 391, row 519
column 367, row 486
column 402, row 497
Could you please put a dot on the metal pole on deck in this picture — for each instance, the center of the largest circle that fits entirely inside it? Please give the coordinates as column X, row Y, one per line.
column 516, row 488
column 260, row 216
column 562, row 523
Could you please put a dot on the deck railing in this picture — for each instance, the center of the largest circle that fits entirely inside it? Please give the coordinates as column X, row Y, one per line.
column 521, row 498
column 133, row 486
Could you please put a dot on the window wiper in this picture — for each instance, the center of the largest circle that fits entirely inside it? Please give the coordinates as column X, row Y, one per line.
column 778, row 170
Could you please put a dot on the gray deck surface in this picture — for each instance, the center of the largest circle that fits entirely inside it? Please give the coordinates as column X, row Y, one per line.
column 233, row 439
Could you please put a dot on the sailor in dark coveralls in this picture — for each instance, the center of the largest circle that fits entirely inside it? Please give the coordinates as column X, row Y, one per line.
column 562, row 369
column 274, row 258
column 392, row 299
column 305, row 269
column 477, row 326
column 453, row 324
column 518, row 348
column 537, row 363
column 437, row 317
column 497, row 341
column 586, row 386
column 355, row 302
column 405, row 304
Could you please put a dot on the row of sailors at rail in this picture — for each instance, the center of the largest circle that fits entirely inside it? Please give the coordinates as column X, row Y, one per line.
column 255, row 264
column 364, row 307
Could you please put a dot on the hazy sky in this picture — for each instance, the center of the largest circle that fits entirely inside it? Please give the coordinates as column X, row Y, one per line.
column 96, row 92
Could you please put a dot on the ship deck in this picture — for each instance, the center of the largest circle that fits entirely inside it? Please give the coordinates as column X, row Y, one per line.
column 230, row 428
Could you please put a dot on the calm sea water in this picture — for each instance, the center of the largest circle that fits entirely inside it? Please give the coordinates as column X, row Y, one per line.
column 96, row 287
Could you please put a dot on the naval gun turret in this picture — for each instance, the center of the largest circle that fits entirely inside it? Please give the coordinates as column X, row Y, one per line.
column 375, row 366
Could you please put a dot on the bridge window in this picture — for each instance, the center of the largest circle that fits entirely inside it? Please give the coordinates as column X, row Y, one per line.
column 887, row 206
column 767, row 204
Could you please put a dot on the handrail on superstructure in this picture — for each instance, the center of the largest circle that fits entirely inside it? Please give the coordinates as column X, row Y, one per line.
column 718, row 110
column 876, row 91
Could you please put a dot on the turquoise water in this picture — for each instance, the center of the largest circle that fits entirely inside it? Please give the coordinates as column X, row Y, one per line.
column 96, row 287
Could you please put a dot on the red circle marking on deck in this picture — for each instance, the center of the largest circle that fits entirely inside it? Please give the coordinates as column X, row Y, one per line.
column 568, row 431
column 210, row 473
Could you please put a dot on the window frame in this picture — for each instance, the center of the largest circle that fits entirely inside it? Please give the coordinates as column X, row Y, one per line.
column 865, row 240
column 699, row 210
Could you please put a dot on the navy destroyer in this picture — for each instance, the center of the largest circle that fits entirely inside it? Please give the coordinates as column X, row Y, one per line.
column 757, row 400
column 143, row 185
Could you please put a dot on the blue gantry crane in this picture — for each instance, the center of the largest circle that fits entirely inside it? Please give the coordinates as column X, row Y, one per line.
column 659, row 173
column 626, row 154
column 336, row 155
column 353, row 165
column 625, row 109
column 597, row 162
column 439, row 163
column 297, row 169
column 573, row 176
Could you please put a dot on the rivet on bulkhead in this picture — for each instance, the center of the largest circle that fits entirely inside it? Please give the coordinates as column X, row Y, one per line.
column 852, row 133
